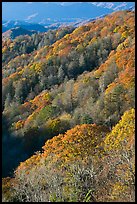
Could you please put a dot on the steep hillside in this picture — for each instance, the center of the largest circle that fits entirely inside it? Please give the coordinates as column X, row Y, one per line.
column 62, row 78
column 68, row 99
column 27, row 44
column 90, row 44
column 56, row 80
column 85, row 164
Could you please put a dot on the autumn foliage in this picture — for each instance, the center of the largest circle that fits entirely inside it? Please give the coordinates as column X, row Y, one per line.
column 110, row 153
column 68, row 99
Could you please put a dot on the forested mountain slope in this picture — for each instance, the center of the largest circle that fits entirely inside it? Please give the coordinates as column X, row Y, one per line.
column 63, row 79
column 87, row 163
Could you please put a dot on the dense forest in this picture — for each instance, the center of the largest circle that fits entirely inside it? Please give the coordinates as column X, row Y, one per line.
column 68, row 113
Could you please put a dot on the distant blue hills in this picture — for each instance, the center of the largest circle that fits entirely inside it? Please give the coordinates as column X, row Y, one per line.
column 42, row 16
column 44, row 12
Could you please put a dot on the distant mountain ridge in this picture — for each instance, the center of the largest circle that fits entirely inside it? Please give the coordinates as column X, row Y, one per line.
column 47, row 12
column 7, row 25
column 42, row 16
column 14, row 32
